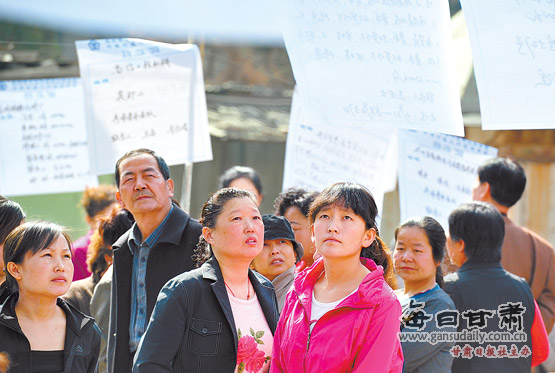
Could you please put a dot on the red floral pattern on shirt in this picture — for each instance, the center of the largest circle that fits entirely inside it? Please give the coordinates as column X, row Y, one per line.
column 249, row 358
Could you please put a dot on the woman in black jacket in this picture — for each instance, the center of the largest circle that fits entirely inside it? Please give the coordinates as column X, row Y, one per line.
column 37, row 329
column 220, row 317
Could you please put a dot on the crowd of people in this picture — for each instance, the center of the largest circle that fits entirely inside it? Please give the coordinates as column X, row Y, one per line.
column 311, row 287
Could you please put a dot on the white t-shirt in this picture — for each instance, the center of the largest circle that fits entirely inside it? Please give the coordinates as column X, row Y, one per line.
column 255, row 337
column 318, row 309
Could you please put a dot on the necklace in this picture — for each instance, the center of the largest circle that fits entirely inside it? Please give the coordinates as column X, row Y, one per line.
column 248, row 289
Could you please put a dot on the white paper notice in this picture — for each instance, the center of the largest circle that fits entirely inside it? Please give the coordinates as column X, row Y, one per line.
column 143, row 94
column 513, row 48
column 437, row 172
column 317, row 156
column 43, row 147
column 375, row 62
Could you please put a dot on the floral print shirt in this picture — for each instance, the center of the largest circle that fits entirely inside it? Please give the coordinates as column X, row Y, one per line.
column 255, row 336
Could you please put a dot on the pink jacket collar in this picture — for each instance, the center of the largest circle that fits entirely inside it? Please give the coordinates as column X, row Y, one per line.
column 369, row 292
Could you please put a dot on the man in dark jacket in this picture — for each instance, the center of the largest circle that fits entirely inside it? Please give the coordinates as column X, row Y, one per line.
column 501, row 182
column 157, row 248
column 490, row 301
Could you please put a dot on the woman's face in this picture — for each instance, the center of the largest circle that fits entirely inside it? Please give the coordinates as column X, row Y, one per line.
column 48, row 272
column 413, row 258
column 239, row 231
column 246, row 184
column 340, row 233
column 301, row 227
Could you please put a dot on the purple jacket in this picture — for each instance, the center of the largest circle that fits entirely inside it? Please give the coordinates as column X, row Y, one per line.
column 360, row 335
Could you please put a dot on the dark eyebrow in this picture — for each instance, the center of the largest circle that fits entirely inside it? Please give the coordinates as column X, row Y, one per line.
column 126, row 173
column 149, row 169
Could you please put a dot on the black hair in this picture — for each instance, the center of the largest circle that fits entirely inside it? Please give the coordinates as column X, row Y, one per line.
column 481, row 227
column 114, row 226
column 30, row 237
column 162, row 165
column 11, row 215
column 294, row 197
column 237, row 172
column 506, row 179
column 209, row 215
column 436, row 238
column 109, row 230
column 359, row 199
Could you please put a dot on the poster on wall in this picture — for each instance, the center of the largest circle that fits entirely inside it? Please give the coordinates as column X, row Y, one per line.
column 513, row 49
column 143, row 94
column 381, row 64
column 43, row 147
column 437, row 173
column 317, row 156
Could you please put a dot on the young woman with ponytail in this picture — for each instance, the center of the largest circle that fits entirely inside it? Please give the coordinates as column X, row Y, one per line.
column 419, row 250
column 341, row 315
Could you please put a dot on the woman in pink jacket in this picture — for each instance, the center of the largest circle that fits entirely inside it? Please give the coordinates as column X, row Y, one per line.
column 341, row 316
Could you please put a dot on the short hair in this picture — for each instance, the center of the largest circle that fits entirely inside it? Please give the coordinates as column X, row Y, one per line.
column 112, row 227
column 506, row 179
column 436, row 238
column 359, row 199
column 11, row 215
column 209, row 215
column 109, row 230
column 294, row 197
column 237, row 172
column 162, row 165
column 30, row 237
column 481, row 227
column 96, row 199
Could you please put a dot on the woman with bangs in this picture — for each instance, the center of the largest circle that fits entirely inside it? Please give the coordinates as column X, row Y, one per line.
column 40, row 331
column 341, row 315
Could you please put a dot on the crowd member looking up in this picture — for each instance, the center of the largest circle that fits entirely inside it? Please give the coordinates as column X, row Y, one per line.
column 482, row 287
column 38, row 329
column 110, row 229
column 277, row 260
column 222, row 316
column 242, row 177
column 158, row 247
column 419, row 251
column 97, row 202
column 341, row 315
column 11, row 216
column 501, row 182
column 294, row 204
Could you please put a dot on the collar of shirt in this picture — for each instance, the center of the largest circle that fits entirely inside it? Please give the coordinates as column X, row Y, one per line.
column 135, row 238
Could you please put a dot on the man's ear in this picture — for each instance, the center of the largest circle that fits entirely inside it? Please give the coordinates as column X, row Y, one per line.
column 485, row 192
column 118, row 197
column 461, row 255
column 170, row 185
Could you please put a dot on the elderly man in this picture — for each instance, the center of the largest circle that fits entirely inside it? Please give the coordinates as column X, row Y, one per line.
column 501, row 182
column 158, row 247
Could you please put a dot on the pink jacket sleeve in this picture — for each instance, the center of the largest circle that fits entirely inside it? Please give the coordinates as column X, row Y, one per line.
column 540, row 341
column 382, row 351
column 276, row 365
